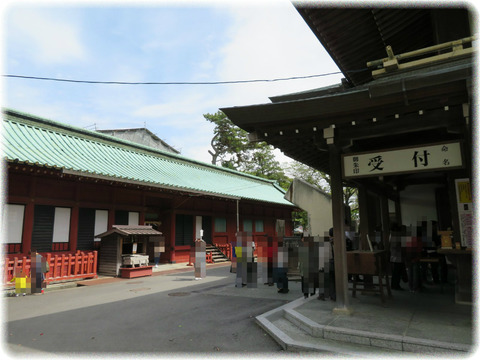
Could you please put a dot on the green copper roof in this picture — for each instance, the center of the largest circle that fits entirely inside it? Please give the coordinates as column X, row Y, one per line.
column 32, row 140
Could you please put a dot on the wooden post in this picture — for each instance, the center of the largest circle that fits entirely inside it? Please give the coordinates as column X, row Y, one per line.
column 55, row 266
column 82, row 256
column 363, row 212
column 24, row 264
column 48, row 257
column 28, row 268
column 339, row 246
column 111, row 218
column 171, row 242
column 6, row 278
column 95, row 257
column 73, row 228
column 62, row 272
column 14, row 266
column 28, row 227
column 70, row 264
column 385, row 223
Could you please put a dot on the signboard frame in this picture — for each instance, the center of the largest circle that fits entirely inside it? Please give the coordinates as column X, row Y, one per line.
column 422, row 147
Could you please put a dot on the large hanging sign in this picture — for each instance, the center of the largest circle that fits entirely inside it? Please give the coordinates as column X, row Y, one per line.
column 429, row 157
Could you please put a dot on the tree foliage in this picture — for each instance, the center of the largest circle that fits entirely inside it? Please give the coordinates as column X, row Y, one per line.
column 232, row 149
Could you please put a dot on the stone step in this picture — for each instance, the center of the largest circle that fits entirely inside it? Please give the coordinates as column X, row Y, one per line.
column 302, row 341
column 295, row 332
column 217, row 255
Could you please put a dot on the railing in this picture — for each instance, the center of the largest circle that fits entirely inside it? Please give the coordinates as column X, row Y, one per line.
column 62, row 267
column 392, row 62
column 208, row 257
column 226, row 249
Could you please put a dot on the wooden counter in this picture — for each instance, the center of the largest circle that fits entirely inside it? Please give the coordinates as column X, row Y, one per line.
column 367, row 263
column 462, row 259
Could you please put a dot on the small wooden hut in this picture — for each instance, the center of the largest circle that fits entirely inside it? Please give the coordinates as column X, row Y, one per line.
column 123, row 250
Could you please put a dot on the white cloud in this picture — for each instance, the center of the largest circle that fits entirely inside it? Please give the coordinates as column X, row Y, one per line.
column 272, row 42
column 47, row 38
column 265, row 42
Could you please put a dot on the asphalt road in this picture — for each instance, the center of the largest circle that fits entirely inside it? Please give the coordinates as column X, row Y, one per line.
column 153, row 316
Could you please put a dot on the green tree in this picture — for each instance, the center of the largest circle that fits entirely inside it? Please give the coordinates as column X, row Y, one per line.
column 229, row 142
column 232, row 149
column 308, row 174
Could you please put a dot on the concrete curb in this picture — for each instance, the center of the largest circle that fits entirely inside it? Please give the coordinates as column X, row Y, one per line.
column 377, row 341
column 68, row 284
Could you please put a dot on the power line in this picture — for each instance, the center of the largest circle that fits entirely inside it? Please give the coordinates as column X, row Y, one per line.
column 170, row 83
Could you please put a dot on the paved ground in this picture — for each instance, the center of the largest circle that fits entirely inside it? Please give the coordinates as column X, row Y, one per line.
column 154, row 315
column 171, row 313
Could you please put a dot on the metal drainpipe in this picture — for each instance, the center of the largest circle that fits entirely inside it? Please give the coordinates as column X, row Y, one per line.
column 238, row 217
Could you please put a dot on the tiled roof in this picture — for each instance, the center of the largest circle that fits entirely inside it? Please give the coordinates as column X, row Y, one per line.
column 126, row 230
column 32, row 140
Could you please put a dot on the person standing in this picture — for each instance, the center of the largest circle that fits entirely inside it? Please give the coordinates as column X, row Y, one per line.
column 308, row 265
column 22, row 285
column 326, row 271
column 396, row 260
column 281, row 267
column 200, row 259
column 38, row 268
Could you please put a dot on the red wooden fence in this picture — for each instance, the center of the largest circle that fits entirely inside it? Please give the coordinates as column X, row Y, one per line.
column 209, row 257
column 226, row 249
column 62, row 267
column 191, row 257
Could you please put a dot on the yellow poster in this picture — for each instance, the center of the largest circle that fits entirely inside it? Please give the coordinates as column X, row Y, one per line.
column 464, row 193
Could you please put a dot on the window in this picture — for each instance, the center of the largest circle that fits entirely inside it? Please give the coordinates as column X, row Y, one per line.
column 259, row 226
column 220, row 224
column 183, row 230
column 101, row 222
column 247, row 225
column 61, row 225
column 13, row 220
column 133, row 218
column 50, row 225
column 123, row 217
column 86, row 229
column 91, row 222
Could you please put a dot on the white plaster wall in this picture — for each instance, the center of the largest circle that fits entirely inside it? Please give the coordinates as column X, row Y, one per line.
column 317, row 204
column 417, row 202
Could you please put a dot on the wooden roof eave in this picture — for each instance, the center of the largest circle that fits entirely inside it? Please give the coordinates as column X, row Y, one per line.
column 126, row 232
column 377, row 95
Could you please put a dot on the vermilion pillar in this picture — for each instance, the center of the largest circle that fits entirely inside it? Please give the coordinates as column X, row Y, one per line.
column 28, row 227
column 74, row 228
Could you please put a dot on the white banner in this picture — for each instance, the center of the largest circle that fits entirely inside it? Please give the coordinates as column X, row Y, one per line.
column 405, row 160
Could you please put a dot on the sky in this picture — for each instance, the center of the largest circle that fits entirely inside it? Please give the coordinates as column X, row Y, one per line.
column 155, row 41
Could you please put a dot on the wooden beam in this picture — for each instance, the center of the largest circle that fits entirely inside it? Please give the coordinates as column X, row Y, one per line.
column 457, row 44
column 424, row 62
column 406, row 123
